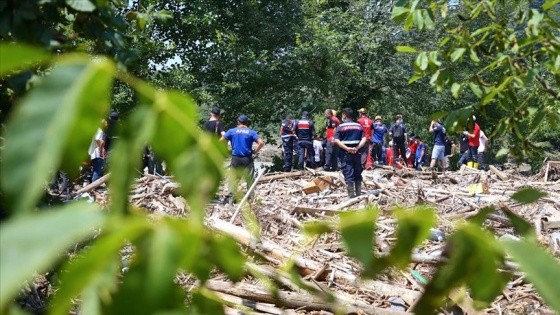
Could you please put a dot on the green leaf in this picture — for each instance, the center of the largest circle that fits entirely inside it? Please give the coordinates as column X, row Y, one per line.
column 356, row 229
column 438, row 115
column 413, row 227
column 17, row 57
column 81, row 5
column 95, row 266
column 415, row 78
column 406, row 49
column 474, row 259
column 455, row 89
column 59, row 116
column 528, row 195
column 205, row 301
column 474, row 56
column 502, row 152
column 475, row 88
column 549, row 4
column 457, row 53
column 226, row 254
column 540, row 267
column 32, row 244
column 399, row 14
column 520, row 226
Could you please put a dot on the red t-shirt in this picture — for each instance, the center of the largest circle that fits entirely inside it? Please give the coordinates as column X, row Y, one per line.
column 475, row 142
column 367, row 124
column 332, row 123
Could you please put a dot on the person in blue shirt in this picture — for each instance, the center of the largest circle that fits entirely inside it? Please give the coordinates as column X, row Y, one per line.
column 242, row 139
column 305, row 132
column 379, row 131
column 420, row 154
column 288, row 135
column 438, row 153
column 350, row 138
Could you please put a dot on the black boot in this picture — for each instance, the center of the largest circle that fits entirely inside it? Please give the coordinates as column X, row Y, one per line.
column 358, row 186
column 351, row 190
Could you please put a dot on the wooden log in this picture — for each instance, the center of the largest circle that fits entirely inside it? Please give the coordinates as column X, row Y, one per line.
column 315, row 211
column 351, row 202
column 503, row 176
column 294, row 300
column 280, row 176
column 306, row 266
column 248, row 304
column 93, row 185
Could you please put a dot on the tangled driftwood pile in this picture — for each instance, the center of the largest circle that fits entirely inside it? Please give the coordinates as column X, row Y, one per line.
column 281, row 206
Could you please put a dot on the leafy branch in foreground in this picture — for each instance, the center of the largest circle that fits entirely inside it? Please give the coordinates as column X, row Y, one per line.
column 510, row 54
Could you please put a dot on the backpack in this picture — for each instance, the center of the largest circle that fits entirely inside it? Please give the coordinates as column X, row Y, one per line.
column 398, row 133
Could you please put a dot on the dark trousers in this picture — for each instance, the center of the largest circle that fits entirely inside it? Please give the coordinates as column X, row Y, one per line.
column 396, row 147
column 351, row 165
column 365, row 151
column 154, row 165
column 244, row 166
column 470, row 155
column 288, row 146
column 377, row 152
column 306, row 145
column 97, row 165
column 331, row 157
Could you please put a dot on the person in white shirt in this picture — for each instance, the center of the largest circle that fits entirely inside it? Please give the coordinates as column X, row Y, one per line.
column 97, row 153
column 318, row 148
column 482, row 150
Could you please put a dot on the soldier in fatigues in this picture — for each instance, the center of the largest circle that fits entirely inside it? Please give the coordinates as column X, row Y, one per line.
column 288, row 135
column 350, row 138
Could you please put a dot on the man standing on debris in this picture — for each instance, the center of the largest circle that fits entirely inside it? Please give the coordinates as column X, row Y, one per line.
column 350, row 137
column 450, row 148
column 331, row 151
column 438, row 153
column 481, row 150
column 398, row 133
column 420, row 155
column 366, row 123
column 242, row 138
column 214, row 125
column 305, row 132
column 463, row 149
column 379, row 131
column 288, row 135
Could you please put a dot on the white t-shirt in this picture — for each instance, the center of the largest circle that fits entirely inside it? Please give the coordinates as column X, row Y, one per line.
column 317, row 147
column 482, row 145
column 94, row 151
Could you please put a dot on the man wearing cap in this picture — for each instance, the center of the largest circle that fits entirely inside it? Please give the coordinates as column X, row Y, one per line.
column 214, row 125
column 399, row 135
column 305, row 132
column 242, row 138
column 366, row 123
column 438, row 153
column 379, row 131
column 288, row 136
column 331, row 151
column 350, row 138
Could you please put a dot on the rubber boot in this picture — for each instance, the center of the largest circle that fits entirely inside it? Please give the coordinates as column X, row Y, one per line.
column 358, row 186
column 351, row 190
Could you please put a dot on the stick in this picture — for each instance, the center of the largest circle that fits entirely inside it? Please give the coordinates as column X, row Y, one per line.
column 249, row 191
column 280, row 176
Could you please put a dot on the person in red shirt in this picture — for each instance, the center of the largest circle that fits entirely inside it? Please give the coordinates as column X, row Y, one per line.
column 412, row 146
column 367, row 124
column 474, row 138
column 389, row 154
column 331, row 151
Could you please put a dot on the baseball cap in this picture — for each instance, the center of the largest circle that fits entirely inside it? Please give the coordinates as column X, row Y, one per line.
column 216, row 110
column 114, row 116
column 305, row 113
column 378, row 118
column 243, row 119
column 362, row 110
